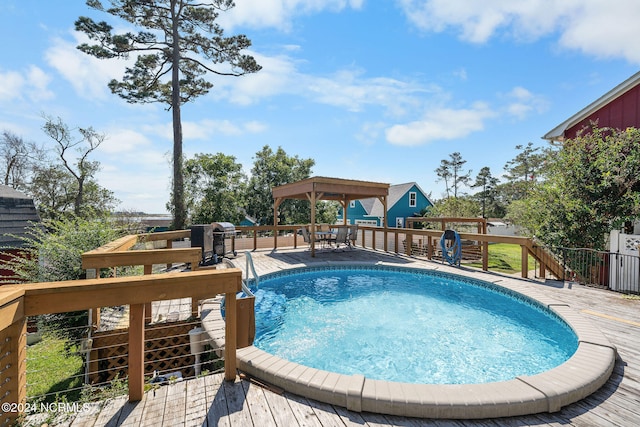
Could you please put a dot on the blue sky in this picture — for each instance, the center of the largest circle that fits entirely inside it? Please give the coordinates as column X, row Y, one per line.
column 372, row 90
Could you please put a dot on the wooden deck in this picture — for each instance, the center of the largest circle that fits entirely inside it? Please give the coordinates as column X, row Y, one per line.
column 210, row 401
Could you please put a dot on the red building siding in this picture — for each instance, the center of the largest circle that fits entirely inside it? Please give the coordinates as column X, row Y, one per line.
column 5, row 272
column 621, row 113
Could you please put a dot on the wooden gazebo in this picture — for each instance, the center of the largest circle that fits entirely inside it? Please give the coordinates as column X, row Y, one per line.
column 323, row 188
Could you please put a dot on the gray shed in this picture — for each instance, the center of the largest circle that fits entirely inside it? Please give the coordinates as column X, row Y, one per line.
column 17, row 212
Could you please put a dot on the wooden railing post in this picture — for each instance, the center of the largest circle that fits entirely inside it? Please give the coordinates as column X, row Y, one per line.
column 385, row 245
column 485, row 256
column 148, row 315
column 230, row 331
column 13, row 369
column 543, row 270
column 395, row 241
column 169, row 246
column 524, row 261
column 195, row 302
column 136, row 352
column 93, row 273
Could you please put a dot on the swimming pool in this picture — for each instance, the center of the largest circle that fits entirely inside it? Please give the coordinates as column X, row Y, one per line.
column 411, row 326
column 583, row 373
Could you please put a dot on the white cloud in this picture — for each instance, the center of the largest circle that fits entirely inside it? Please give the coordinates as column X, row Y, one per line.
column 440, row 124
column 479, row 21
column 38, row 81
column 277, row 75
column 348, row 88
column 88, row 75
column 600, row 28
column 279, row 13
column 11, row 84
column 351, row 90
column 206, row 129
column 370, row 132
column 604, row 29
column 521, row 102
column 14, row 85
column 120, row 141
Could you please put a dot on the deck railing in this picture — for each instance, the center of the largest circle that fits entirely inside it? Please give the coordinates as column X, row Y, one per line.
column 417, row 242
column 18, row 302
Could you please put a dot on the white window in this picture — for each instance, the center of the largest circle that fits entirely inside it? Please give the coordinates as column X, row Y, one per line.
column 413, row 199
column 366, row 222
column 352, row 204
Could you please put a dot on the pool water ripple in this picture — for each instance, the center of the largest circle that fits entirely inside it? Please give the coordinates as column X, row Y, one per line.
column 407, row 327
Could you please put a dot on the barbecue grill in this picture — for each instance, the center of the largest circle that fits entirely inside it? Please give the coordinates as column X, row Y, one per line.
column 212, row 238
column 223, row 231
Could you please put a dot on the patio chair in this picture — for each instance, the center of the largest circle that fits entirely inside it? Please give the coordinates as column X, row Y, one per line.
column 353, row 236
column 341, row 238
column 305, row 236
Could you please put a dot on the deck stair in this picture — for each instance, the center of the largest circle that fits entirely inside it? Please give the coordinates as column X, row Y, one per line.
column 547, row 258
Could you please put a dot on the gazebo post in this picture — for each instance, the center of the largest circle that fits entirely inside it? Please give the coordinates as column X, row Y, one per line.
column 313, row 222
column 344, row 203
column 276, row 205
column 383, row 199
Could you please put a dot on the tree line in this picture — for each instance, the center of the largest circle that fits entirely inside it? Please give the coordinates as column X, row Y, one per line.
column 62, row 180
column 493, row 195
column 570, row 194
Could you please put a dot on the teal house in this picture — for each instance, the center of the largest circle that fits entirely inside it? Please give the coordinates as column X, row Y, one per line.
column 403, row 201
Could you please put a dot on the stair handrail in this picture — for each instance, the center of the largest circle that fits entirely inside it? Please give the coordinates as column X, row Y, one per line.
column 256, row 278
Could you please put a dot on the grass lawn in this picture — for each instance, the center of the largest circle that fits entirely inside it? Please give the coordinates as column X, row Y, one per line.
column 504, row 258
column 51, row 370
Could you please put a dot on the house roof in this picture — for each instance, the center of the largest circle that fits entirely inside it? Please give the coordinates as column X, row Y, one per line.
column 557, row 133
column 374, row 207
column 17, row 212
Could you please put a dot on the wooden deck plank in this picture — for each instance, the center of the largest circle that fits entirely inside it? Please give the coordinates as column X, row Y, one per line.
column 87, row 416
column 280, row 409
column 196, row 404
column 218, row 411
column 302, row 412
column 111, row 411
column 154, row 407
column 258, row 407
column 131, row 413
column 326, row 414
column 175, row 405
column 350, row 418
column 239, row 414
column 376, row 420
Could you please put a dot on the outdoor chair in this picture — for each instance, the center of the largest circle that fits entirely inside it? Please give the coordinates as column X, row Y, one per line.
column 341, row 237
column 353, row 236
column 305, row 236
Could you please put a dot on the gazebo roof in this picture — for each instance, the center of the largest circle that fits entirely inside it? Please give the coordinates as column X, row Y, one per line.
column 331, row 189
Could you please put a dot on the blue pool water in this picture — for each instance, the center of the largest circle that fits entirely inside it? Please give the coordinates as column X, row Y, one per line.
column 407, row 325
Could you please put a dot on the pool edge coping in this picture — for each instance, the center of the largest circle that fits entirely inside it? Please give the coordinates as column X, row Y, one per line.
column 586, row 371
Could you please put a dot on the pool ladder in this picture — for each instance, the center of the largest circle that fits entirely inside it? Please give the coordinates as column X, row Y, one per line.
column 245, row 282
